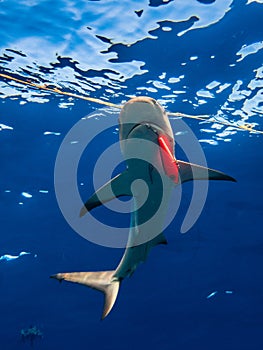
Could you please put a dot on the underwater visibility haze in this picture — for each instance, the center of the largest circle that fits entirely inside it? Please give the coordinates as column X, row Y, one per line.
column 204, row 58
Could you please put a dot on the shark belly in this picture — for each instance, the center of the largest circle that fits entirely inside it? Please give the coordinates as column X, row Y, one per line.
column 146, row 228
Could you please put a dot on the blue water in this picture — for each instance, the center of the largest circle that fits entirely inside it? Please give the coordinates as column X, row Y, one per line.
column 203, row 290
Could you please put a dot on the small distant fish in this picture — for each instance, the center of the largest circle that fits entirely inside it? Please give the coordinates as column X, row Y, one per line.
column 179, row 133
column 5, row 127
column 211, row 295
column 52, row 133
column 8, row 257
column 31, row 334
column 43, row 191
column 26, row 195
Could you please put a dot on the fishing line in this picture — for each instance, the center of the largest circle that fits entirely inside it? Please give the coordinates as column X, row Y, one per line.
column 246, row 127
column 60, row 92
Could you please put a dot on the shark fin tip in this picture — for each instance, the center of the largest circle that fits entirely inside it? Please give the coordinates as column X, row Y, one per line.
column 228, row 178
column 83, row 211
column 58, row 276
column 111, row 292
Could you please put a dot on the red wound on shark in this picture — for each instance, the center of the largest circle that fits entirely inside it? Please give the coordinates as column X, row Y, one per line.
column 169, row 162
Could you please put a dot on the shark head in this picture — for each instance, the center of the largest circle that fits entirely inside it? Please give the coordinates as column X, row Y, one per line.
column 143, row 110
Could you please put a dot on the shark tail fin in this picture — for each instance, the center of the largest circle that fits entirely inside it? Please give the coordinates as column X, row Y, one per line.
column 103, row 281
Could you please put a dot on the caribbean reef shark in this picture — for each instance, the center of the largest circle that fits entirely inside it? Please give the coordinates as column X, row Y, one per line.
column 152, row 172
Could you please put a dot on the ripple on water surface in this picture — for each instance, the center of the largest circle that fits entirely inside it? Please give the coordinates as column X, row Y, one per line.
column 89, row 49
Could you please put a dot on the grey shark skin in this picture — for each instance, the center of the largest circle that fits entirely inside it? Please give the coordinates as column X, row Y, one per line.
column 142, row 122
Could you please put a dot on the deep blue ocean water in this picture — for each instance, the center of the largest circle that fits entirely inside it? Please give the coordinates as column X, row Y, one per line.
column 204, row 290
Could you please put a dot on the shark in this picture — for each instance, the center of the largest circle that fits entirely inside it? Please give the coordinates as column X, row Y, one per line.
column 152, row 172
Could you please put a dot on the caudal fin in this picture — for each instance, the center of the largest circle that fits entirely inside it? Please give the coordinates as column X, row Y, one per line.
column 102, row 281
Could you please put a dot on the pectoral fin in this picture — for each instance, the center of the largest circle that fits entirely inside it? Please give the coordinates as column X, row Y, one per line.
column 117, row 187
column 189, row 171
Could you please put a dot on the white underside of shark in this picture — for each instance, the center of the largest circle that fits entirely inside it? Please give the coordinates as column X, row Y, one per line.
column 147, row 144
